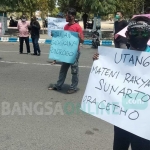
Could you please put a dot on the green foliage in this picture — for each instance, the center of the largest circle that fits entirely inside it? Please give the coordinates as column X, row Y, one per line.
column 130, row 7
column 28, row 5
column 55, row 12
column 101, row 7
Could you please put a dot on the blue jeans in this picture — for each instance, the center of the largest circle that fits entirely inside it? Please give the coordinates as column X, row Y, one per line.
column 74, row 72
column 36, row 45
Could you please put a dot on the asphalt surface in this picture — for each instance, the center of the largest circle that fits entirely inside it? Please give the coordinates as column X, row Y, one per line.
column 24, row 80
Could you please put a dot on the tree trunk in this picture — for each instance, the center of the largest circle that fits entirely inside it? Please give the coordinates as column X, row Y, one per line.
column 31, row 13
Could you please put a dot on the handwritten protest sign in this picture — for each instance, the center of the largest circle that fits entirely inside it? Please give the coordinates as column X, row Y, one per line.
column 118, row 90
column 55, row 24
column 64, row 46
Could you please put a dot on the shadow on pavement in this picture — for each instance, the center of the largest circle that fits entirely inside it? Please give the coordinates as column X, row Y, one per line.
column 57, row 62
column 64, row 89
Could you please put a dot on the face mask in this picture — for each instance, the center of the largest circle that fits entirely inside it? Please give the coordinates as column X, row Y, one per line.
column 117, row 17
column 23, row 20
column 138, row 42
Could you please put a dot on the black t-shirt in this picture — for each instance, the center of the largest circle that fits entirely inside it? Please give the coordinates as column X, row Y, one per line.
column 119, row 25
column 85, row 17
column 35, row 29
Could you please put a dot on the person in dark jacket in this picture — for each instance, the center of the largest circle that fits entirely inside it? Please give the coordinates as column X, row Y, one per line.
column 147, row 10
column 85, row 18
column 35, row 34
column 120, row 42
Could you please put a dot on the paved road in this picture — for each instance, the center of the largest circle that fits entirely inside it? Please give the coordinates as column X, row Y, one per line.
column 23, row 81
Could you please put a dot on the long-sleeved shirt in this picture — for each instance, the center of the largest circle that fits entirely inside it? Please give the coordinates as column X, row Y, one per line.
column 23, row 28
column 35, row 29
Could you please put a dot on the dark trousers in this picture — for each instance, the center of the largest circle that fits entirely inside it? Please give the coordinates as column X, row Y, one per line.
column 26, row 39
column 123, row 139
column 128, row 45
column 74, row 72
column 85, row 23
column 36, row 45
column 120, row 45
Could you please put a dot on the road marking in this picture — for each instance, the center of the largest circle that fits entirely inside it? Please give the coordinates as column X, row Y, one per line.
column 17, row 52
column 39, row 64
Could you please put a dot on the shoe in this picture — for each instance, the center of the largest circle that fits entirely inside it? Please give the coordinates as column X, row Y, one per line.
column 52, row 88
column 28, row 53
column 20, row 52
column 71, row 91
column 34, row 54
column 39, row 54
column 54, row 62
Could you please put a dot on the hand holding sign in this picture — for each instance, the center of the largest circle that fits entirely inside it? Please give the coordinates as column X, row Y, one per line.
column 64, row 46
column 95, row 56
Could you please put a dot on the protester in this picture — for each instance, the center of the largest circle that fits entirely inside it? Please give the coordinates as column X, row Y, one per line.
column 75, row 27
column 138, row 34
column 85, row 18
column 59, row 15
column 147, row 10
column 35, row 34
column 12, row 22
column 23, row 26
column 120, row 42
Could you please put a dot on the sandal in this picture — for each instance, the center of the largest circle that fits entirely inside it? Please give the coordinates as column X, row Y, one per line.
column 70, row 91
column 52, row 88
column 54, row 62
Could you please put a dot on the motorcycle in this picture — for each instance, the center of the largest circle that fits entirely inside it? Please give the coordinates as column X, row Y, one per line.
column 95, row 38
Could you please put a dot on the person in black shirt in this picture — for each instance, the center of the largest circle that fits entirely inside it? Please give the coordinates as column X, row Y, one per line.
column 147, row 10
column 85, row 18
column 120, row 42
column 35, row 34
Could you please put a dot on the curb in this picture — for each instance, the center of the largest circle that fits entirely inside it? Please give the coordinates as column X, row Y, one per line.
column 48, row 41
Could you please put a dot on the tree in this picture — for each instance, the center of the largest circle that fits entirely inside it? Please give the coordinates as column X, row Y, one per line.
column 28, row 5
column 65, row 4
column 101, row 7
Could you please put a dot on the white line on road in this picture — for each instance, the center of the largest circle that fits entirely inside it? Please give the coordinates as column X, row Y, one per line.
column 39, row 64
column 17, row 52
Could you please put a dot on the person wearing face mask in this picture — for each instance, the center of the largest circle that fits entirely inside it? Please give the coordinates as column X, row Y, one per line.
column 75, row 27
column 147, row 10
column 120, row 42
column 138, row 34
column 23, row 33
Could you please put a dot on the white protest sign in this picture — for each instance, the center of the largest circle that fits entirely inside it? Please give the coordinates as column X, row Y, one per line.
column 118, row 90
column 55, row 24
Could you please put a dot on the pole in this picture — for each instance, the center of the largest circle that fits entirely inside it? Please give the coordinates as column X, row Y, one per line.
column 143, row 8
column 95, row 20
column 3, row 24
